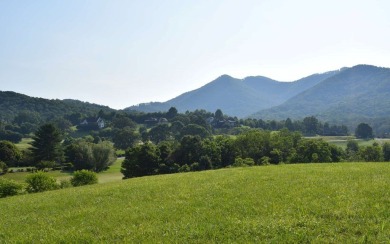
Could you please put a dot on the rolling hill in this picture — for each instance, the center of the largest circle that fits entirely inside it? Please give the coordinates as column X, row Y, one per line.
column 237, row 97
column 11, row 103
column 360, row 92
column 302, row 203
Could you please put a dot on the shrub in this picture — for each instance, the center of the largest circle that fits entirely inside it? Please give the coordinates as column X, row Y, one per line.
column 45, row 165
column 39, row 182
column 3, row 168
column 84, row 177
column 65, row 184
column 9, row 188
column 265, row 160
column 195, row 166
column 239, row 162
column 185, row 168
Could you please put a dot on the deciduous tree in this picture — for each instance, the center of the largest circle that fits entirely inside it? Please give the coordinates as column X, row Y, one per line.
column 364, row 131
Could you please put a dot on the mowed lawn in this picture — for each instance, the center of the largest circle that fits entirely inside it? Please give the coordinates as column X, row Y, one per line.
column 331, row 203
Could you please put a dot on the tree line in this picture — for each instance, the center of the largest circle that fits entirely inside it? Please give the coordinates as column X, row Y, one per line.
column 177, row 142
column 253, row 147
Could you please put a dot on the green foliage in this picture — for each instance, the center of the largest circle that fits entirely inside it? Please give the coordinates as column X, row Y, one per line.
column 65, row 184
column 159, row 133
column 371, row 153
column 190, row 150
column 265, row 160
column 45, row 165
column 386, row 151
column 47, row 144
column 172, row 112
column 141, row 160
column 84, row 177
column 22, row 108
column 9, row 188
column 40, row 182
column 194, row 130
column 3, row 168
column 312, row 151
column 103, row 156
column 86, row 155
column 122, row 122
column 125, row 138
column 253, row 144
column 12, row 136
column 364, row 131
column 218, row 114
column 239, row 162
column 310, row 126
column 9, row 153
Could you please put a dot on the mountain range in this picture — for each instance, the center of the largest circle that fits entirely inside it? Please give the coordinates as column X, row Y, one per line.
column 237, row 97
column 348, row 95
column 360, row 92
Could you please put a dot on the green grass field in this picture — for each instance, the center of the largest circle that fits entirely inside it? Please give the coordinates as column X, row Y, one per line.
column 342, row 141
column 112, row 174
column 24, row 144
column 320, row 203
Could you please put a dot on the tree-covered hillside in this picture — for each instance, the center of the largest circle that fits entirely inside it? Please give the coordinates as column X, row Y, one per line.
column 359, row 92
column 12, row 103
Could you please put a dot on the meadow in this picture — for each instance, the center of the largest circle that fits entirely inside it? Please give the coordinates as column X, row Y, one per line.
column 331, row 203
column 341, row 141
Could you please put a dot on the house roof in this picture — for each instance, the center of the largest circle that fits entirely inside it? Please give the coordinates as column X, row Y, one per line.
column 92, row 120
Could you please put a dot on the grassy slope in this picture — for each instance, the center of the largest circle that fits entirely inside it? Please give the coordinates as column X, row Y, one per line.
column 338, row 203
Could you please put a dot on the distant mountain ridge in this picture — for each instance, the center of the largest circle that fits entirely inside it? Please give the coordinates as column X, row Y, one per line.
column 347, row 96
column 360, row 92
column 237, row 97
column 12, row 103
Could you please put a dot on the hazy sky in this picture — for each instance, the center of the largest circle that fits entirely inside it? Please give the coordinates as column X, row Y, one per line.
column 122, row 52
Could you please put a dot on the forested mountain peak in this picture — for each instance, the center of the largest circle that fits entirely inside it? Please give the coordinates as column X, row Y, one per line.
column 237, row 97
column 353, row 94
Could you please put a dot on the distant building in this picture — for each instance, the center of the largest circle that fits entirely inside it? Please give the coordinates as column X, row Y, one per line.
column 163, row 121
column 223, row 123
column 93, row 122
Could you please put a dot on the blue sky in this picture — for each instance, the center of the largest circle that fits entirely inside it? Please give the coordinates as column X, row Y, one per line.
column 122, row 52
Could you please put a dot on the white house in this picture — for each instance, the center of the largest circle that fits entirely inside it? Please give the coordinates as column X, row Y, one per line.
column 99, row 122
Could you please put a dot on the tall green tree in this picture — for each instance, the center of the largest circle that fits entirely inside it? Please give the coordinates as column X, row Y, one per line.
column 218, row 114
column 364, row 131
column 160, row 133
column 172, row 112
column 125, row 138
column 141, row 160
column 46, row 145
column 310, row 125
column 386, row 151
